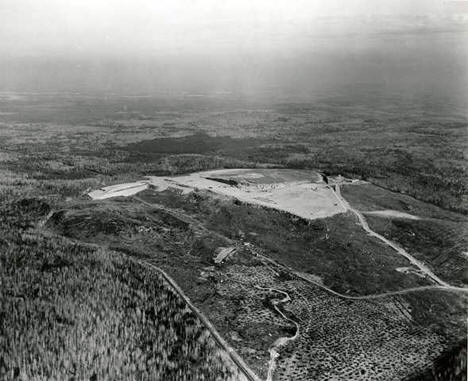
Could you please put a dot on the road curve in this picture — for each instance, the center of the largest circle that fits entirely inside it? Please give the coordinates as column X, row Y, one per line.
column 363, row 297
column 274, row 354
column 362, row 221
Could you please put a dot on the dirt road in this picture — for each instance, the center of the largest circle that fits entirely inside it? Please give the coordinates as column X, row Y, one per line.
column 274, row 349
column 360, row 297
column 362, row 221
column 248, row 373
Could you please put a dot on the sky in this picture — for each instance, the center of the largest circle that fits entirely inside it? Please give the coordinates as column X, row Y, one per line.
column 228, row 45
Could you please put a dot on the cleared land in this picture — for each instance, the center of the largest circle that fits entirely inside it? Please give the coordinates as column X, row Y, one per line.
column 119, row 190
column 392, row 213
column 302, row 193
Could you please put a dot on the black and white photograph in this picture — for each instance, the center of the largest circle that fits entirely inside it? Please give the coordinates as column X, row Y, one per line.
column 233, row 190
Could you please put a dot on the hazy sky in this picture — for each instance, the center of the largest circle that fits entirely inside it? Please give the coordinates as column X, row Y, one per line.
column 188, row 40
column 152, row 27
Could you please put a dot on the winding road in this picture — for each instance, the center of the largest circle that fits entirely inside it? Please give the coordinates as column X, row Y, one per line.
column 274, row 354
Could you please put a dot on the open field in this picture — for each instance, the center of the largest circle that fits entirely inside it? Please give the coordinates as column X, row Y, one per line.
column 392, row 214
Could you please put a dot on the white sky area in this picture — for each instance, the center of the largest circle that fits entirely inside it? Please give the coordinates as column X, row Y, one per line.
column 232, row 45
column 152, row 27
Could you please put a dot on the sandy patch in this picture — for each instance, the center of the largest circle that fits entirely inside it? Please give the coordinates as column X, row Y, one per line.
column 392, row 214
column 119, row 190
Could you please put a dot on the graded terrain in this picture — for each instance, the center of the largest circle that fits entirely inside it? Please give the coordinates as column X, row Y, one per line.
column 302, row 193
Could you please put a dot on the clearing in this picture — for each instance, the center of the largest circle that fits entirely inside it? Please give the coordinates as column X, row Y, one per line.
column 302, row 193
column 392, row 214
column 124, row 190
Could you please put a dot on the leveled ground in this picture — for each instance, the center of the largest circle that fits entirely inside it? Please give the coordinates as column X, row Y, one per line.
column 302, row 193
